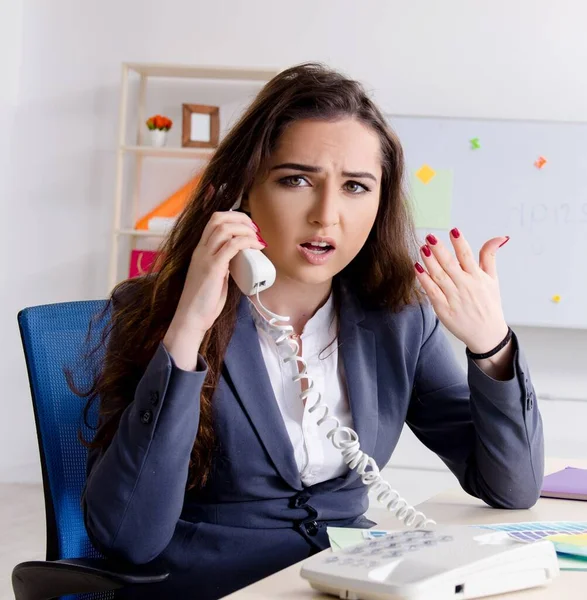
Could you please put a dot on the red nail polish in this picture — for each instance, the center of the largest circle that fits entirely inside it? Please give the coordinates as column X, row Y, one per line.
column 255, row 224
column 261, row 239
column 431, row 239
column 506, row 241
column 426, row 250
column 455, row 233
column 419, row 267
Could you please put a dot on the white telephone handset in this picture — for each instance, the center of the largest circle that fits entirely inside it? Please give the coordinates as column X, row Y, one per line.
column 253, row 272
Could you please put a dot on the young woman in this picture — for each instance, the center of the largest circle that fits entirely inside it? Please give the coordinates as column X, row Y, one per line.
column 208, row 456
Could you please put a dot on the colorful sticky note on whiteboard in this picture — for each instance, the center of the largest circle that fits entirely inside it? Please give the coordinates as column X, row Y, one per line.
column 556, row 298
column 540, row 162
column 432, row 201
column 475, row 144
column 425, row 174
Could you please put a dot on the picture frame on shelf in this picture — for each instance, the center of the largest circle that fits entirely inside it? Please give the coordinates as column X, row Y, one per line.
column 200, row 126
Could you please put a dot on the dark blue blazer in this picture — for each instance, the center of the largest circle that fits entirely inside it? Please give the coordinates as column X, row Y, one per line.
column 254, row 516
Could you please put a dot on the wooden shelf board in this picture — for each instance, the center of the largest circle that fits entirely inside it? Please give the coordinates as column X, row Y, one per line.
column 170, row 152
column 202, row 72
column 141, row 233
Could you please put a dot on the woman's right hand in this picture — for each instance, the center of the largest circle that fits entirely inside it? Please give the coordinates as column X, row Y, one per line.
column 206, row 284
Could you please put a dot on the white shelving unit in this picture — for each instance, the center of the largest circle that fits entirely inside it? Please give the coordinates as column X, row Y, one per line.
column 137, row 149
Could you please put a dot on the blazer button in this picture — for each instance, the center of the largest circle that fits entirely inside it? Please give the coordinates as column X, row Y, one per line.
column 311, row 528
column 154, row 397
column 146, row 417
column 299, row 501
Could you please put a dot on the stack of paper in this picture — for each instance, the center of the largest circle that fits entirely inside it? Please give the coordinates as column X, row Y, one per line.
column 571, row 550
column 538, row 530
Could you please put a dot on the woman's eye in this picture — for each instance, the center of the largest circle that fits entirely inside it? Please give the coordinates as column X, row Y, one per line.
column 294, row 181
column 354, row 187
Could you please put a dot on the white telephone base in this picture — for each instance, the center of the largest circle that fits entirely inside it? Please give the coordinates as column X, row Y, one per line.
column 443, row 563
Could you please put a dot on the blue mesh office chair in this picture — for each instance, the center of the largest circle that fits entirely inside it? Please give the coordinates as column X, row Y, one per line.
column 54, row 337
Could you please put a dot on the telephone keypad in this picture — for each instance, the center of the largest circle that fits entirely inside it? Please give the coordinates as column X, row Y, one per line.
column 391, row 546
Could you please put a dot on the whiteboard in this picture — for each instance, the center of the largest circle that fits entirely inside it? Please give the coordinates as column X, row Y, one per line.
column 497, row 190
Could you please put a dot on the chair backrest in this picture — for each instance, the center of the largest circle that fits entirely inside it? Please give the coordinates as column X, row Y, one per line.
column 54, row 337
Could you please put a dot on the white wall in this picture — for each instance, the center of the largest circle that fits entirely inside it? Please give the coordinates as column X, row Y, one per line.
column 457, row 57
column 18, row 449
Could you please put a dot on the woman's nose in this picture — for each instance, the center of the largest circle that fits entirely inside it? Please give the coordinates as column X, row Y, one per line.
column 325, row 208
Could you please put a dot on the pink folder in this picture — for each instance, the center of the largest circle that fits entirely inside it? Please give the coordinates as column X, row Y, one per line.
column 570, row 483
column 140, row 262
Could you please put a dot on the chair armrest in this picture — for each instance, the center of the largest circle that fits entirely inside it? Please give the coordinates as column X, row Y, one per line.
column 42, row 580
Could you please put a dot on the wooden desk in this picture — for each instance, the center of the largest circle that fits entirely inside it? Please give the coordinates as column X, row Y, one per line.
column 453, row 507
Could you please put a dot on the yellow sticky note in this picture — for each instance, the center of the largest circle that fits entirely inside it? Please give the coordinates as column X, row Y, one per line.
column 425, row 174
column 574, row 544
column 577, row 539
column 432, row 201
column 556, row 299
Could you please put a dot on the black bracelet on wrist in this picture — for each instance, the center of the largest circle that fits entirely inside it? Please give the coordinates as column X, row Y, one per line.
column 501, row 345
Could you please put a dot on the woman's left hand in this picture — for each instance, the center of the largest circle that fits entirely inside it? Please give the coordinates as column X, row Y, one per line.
column 465, row 294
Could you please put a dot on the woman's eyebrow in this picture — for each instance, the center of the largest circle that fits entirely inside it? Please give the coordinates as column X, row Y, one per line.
column 360, row 175
column 297, row 167
column 312, row 169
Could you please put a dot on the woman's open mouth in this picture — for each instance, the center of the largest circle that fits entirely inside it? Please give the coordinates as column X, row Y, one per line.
column 316, row 253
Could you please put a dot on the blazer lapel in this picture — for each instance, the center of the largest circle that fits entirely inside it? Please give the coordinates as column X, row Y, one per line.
column 248, row 374
column 358, row 351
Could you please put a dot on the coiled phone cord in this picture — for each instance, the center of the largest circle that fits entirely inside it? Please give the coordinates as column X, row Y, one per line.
column 346, row 439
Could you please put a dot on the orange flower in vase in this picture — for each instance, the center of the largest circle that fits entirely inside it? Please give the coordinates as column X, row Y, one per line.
column 158, row 127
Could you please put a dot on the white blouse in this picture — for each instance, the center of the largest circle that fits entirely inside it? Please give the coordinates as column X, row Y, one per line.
column 317, row 459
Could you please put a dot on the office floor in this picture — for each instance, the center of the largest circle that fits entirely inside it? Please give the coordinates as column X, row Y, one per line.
column 22, row 523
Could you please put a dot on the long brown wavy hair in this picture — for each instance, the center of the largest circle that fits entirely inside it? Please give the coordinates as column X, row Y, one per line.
column 140, row 310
